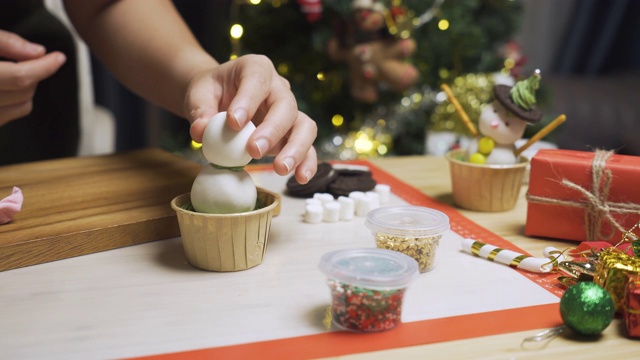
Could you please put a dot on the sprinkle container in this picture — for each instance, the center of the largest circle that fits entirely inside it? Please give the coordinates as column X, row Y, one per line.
column 411, row 230
column 367, row 287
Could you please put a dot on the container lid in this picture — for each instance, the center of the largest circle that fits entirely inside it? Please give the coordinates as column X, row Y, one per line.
column 371, row 268
column 407, row 220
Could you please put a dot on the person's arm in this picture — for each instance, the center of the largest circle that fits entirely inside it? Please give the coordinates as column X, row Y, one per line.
column 147, row 45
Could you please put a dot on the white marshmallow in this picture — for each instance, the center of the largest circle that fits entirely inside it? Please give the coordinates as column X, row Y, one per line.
column 375, row 199
column 384, row 191
column 324, row 197
column 331, row 211
column 347, row 208
column 313, row 202
column 313, row 213
column 363, row 206
column 355, row 195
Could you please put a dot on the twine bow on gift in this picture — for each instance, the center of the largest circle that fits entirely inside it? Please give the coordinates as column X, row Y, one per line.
column 597, row 208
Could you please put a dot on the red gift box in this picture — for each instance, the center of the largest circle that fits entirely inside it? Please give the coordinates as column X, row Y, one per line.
column 583, row 196
column 632, row 307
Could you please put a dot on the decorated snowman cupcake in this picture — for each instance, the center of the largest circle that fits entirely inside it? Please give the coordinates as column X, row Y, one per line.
column 503, row 122
column 225, row 220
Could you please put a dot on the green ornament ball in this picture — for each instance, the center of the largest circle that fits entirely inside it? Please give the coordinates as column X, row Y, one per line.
column 586, row 308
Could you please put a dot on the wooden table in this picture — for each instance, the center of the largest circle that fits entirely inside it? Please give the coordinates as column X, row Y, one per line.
column 426, row 173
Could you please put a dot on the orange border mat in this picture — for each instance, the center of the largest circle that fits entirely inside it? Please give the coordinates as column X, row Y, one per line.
column 422, row 332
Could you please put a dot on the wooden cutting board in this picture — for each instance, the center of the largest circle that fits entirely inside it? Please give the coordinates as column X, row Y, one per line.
column 83, row 205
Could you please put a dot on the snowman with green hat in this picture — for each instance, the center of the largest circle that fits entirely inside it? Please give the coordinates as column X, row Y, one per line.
column 503, row 121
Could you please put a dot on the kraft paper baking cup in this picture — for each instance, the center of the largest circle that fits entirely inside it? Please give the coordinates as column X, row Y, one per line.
column 226, row 242
column 485, row 187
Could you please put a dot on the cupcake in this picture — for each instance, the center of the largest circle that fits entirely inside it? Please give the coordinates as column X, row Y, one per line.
column 225, row 220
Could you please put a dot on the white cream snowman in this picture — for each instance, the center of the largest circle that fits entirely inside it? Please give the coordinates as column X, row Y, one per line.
column 503, row 122
column 223, row 186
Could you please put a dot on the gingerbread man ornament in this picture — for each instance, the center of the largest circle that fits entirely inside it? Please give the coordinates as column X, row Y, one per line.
column 374, row 57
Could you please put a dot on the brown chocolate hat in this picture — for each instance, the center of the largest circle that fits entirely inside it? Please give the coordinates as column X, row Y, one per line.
column 501, row 93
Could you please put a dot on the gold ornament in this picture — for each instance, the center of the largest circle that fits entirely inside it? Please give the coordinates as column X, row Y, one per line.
column 613, row 271
column 473, row 92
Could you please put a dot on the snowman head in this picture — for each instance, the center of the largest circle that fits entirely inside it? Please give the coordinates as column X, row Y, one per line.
column 506, row 117
column 503, row 126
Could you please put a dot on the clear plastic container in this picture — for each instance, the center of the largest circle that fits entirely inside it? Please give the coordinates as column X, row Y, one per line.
column 367, row 287
column 411, row 230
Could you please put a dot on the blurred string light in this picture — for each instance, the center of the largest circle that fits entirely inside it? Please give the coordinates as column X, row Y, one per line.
column 443, row 24
column 373, row 139
column 337, row 120
column 473, row 91
column 237, row 30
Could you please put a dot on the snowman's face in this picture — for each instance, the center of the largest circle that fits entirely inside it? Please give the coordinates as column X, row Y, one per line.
column 500, row 124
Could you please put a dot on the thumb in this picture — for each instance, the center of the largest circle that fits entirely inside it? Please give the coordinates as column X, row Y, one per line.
column 200, row 105
column 14, row 47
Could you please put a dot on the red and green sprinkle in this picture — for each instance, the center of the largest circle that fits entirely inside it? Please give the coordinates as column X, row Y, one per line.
column 361, row 309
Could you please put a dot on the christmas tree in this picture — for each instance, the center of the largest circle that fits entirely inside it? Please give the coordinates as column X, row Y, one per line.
column 457, row 42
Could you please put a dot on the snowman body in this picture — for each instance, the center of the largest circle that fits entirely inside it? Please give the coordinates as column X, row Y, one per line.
column 501, row 128
column 223, row 186
column 223, row 191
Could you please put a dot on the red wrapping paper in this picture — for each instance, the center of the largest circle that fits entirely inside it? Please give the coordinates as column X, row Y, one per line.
column 564, row 203
column 632, row 307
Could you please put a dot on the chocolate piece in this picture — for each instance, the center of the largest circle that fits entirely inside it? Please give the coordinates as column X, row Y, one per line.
column 318, row 184
column 338, row 180
column 348, row 169
column 501, row 93
column 345, row 184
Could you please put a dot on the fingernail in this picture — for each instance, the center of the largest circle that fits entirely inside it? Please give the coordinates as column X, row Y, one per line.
column 195, row 136
column 263, row 146
column 240, row 115
column 307, row 176
column 35, row 48
column 195, row 121
column 288, row 163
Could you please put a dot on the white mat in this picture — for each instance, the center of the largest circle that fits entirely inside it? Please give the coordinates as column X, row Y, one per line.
column 147, row 299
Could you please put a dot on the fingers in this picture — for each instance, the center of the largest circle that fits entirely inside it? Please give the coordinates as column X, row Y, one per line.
column 250, row 89
column 18, row 83
column 258, row 84
column 201, row 103
column 17, row 96
column 24, row 74
column 264, row 97
column 297, row 152
column 308, row 167
column 16, row 48
column 15, row 111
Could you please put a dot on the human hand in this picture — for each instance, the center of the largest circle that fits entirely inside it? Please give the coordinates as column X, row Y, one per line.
column 249, row 88
column 27, row 65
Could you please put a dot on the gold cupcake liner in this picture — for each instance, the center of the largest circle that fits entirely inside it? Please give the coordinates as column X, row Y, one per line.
column 485, row 187
column 226, row 242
